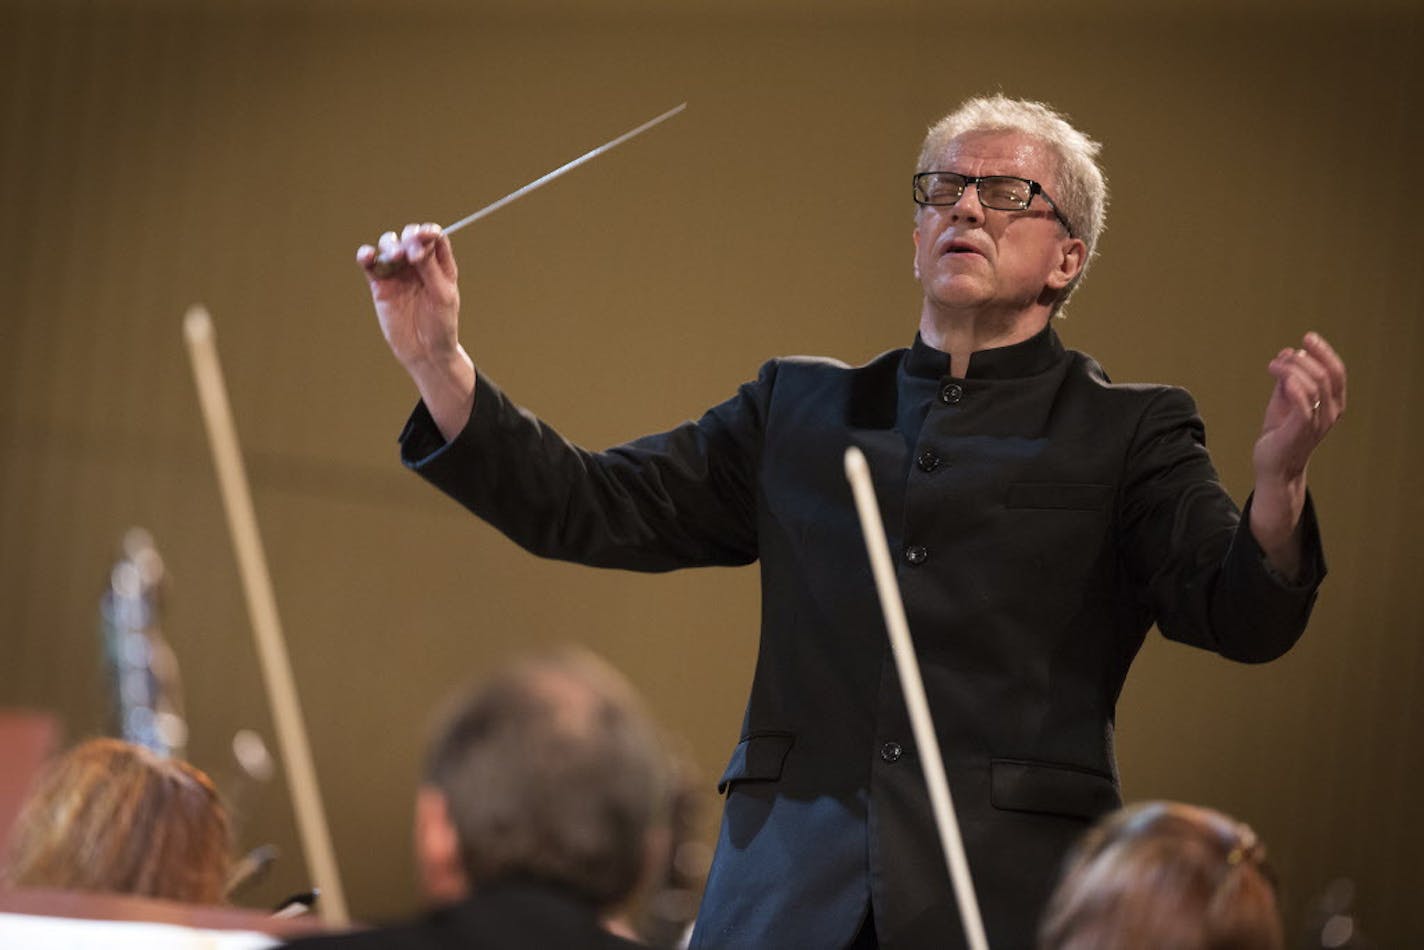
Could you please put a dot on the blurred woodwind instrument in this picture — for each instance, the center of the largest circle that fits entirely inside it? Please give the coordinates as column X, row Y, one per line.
column 146, row 692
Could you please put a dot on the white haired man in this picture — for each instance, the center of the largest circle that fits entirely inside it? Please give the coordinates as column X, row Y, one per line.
column 1045, row 519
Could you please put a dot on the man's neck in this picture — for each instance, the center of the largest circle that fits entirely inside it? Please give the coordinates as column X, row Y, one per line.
column 961, row 333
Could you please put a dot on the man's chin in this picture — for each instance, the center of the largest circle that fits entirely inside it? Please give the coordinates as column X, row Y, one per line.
column 959, row 293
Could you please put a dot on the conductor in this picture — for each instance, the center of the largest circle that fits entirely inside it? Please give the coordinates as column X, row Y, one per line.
column 1044, row 518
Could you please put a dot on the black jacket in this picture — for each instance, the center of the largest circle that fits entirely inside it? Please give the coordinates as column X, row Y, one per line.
column 1045, row 519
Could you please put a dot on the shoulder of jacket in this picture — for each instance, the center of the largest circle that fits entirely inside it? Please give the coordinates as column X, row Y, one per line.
column 829, row 366
column 1091, row 377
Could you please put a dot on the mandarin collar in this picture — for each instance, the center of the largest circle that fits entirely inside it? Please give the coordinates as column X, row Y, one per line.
column 1027, row 358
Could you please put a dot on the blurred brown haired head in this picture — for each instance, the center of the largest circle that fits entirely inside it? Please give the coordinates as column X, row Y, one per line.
column 111, row 816
column 553, row 771
column 1168, row 876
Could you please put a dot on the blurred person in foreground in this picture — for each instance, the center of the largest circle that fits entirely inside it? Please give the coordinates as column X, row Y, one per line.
column 539, row 815
column 114, row 817
column 1167, row 876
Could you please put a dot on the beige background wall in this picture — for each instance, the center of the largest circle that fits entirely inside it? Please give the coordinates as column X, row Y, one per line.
column 1264, row 163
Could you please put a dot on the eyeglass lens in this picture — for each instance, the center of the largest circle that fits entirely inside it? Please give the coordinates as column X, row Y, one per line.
column 999, row 192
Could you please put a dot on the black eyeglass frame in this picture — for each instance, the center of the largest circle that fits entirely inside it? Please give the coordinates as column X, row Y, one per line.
column 1034, row 189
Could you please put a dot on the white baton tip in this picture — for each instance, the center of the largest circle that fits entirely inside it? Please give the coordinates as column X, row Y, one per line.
column 197, row 325
column 855, row 463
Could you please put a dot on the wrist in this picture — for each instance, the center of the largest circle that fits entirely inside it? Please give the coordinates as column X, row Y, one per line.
column 433, row 360
column 1276, row 507
column 447, row 386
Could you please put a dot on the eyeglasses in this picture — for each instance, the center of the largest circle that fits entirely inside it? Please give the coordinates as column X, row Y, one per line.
column 1000, row 192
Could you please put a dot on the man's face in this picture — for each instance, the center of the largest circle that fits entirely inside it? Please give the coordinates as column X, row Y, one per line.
column 972, row 258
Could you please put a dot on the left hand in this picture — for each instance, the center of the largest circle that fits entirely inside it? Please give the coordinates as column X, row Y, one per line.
column 1308, row 398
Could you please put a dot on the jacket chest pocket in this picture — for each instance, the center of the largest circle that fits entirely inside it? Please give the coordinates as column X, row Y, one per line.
column 1054, row 535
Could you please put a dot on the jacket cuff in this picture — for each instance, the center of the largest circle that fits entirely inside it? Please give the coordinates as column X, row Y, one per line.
column 423, row 447
column 1312, row 552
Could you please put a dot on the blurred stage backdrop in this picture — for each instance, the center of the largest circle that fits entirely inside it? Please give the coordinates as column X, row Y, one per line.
column 1264, row 165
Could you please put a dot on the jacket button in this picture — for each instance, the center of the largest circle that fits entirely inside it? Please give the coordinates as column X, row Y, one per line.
column 927, row 461
column 916, row 555
column 891, row 752
column 951, row 393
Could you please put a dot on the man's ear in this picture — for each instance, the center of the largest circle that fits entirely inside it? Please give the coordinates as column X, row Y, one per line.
column 437, row 848
column 1072, row 257
column 915, row 236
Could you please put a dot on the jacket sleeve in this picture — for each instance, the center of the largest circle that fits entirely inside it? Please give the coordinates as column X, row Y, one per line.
column 1206, row 580
column 681, row 498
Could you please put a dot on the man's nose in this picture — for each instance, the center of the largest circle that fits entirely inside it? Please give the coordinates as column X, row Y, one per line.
column 967, row 208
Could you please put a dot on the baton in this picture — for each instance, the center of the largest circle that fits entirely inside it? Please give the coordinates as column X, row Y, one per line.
column 384, row 266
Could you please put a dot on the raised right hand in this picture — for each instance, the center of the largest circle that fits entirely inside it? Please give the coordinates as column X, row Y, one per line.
column 413, row 286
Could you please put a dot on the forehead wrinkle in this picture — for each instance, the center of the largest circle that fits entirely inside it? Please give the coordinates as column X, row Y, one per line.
column 1001, row 153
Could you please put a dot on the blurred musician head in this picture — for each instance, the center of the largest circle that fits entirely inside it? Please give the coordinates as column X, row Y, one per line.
column 1165, row 875
column 550, row 772
column 112, row 816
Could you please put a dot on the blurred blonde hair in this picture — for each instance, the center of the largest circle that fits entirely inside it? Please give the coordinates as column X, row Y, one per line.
column 1167, row 876
column 112, row 816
